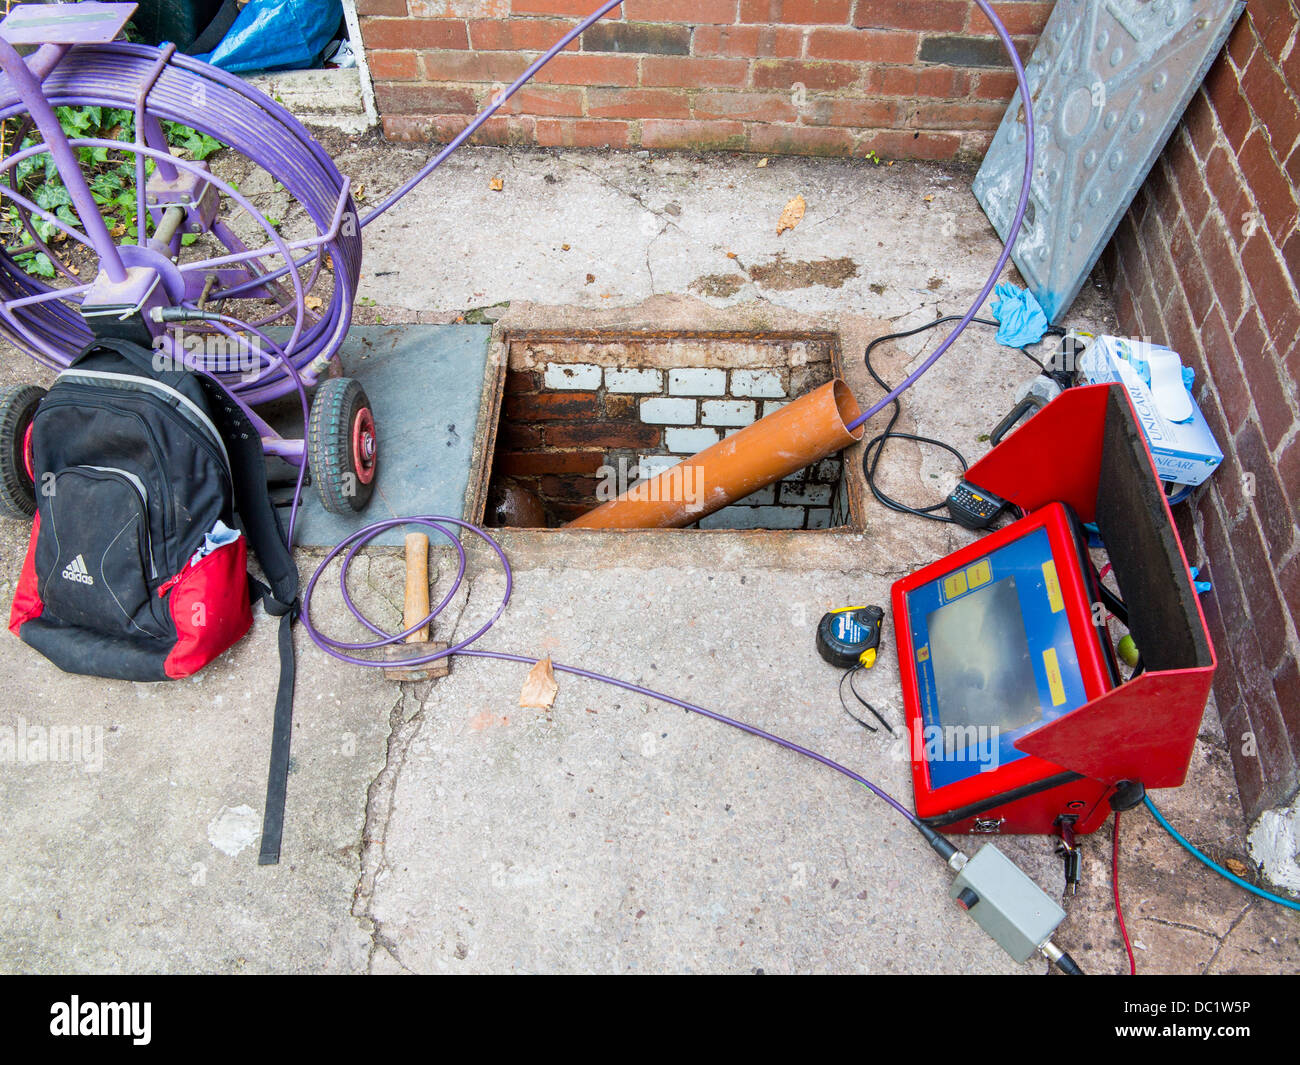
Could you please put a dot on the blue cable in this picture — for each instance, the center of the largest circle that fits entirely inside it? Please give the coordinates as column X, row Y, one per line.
column 1290, row 904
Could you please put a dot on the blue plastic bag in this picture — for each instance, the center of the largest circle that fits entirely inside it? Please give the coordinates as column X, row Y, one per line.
column 277, row 35
column 1021, row 319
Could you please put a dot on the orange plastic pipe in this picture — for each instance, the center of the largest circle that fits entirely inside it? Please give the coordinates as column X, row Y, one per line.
column 797, row 435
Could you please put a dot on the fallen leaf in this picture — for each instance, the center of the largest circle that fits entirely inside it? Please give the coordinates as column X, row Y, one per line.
column 539, row 690
column 313, row 303
column 792, row 215
column 929, row 198
column 761, row 163
column 1236, row 867
column 732, row 255
column 564, row 247
column 591, row 278
column 497, row 184
column 117, row 230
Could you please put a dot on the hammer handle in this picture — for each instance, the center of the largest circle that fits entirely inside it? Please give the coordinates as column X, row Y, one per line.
column 416, row 604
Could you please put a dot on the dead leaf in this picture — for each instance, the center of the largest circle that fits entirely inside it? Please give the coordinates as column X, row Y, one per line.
column 1236, row 867
column 591, row 279
column 497, row 184
column 732, row 255
column 539, row 690
column 117, row 230
column 761, row 163
column 929, row 199
column 564, row 247
column 313, row 303
column 792, row 215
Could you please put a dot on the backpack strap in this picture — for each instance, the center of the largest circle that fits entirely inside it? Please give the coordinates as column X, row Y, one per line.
column 267, row 537
column 142, row 358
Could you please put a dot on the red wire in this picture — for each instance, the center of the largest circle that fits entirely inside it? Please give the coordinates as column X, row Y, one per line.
column 1119, row 909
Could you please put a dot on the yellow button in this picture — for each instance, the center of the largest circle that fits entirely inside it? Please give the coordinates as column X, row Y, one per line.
column 954, row 585
column 979, row 573
column 1054, row 597
column 1054, row 683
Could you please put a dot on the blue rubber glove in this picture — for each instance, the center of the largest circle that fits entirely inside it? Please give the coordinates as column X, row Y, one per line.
column 1021, row 320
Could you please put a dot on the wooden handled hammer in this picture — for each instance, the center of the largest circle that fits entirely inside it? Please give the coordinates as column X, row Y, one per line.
column 415, row 606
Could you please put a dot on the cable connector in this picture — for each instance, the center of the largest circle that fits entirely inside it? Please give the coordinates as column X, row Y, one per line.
column 955, row 858
column 182, row 314
column 1060, row 959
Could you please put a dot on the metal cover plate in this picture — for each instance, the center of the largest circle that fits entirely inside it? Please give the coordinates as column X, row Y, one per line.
column 1109, row 80
column 427, row 386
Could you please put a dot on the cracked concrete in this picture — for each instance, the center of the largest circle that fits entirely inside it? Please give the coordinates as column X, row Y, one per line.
column 438, row 827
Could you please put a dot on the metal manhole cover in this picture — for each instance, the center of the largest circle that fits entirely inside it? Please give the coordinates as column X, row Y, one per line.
column 1109, row 80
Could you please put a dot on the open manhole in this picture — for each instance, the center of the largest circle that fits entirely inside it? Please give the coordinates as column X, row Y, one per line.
column 585, row 416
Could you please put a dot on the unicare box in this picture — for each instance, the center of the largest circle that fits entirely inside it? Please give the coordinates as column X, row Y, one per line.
column 1184, row 452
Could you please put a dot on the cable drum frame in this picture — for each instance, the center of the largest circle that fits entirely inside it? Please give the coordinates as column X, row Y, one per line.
column 162, row 85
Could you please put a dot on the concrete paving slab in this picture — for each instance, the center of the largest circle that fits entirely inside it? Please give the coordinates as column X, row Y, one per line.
column 617, row 834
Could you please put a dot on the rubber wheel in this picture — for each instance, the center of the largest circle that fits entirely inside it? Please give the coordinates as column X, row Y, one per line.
column 341, row 446
column 17, row 493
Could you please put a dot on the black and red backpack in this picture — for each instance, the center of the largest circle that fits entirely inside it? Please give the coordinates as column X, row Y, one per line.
column 150, row 486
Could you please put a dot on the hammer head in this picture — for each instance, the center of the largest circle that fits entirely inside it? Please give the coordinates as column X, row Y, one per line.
column 394, row 654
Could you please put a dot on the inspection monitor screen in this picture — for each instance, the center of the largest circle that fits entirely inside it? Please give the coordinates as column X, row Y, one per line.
column 983, row 673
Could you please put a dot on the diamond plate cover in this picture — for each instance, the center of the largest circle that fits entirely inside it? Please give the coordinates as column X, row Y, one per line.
column 1109, row 80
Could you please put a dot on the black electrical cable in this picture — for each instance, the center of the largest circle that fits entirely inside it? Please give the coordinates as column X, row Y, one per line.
column 876, row 445
column 848, row 675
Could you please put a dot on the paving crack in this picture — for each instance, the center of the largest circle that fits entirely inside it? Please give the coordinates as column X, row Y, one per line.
column 1180, row 925
column 405, row 719
column 404, row 723
column 1224, row 938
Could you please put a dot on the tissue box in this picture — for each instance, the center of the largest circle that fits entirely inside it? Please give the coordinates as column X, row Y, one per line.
column 1185, row 452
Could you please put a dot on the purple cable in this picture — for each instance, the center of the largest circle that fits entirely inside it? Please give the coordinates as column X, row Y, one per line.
column 438, row 523
column 1021, row 206
column 491, row 109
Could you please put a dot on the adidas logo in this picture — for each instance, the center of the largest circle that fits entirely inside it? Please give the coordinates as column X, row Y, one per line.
column 76, row 571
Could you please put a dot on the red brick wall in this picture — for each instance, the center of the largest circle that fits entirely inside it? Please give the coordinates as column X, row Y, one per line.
column 1206, row 260
column 903, row 78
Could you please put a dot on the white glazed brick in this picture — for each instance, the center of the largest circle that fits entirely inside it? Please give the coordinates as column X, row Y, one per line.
column 653, row 465
column 633, row 380
column 819, row 517
column 762, row 384
column 572, row 375
column 663, row 411
column 814, row 495
column 760, row 498
column 770, row 406
column 738, row 517
column 689, row 441
column 827, row 470
column 727, row 412
column 697, row 381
